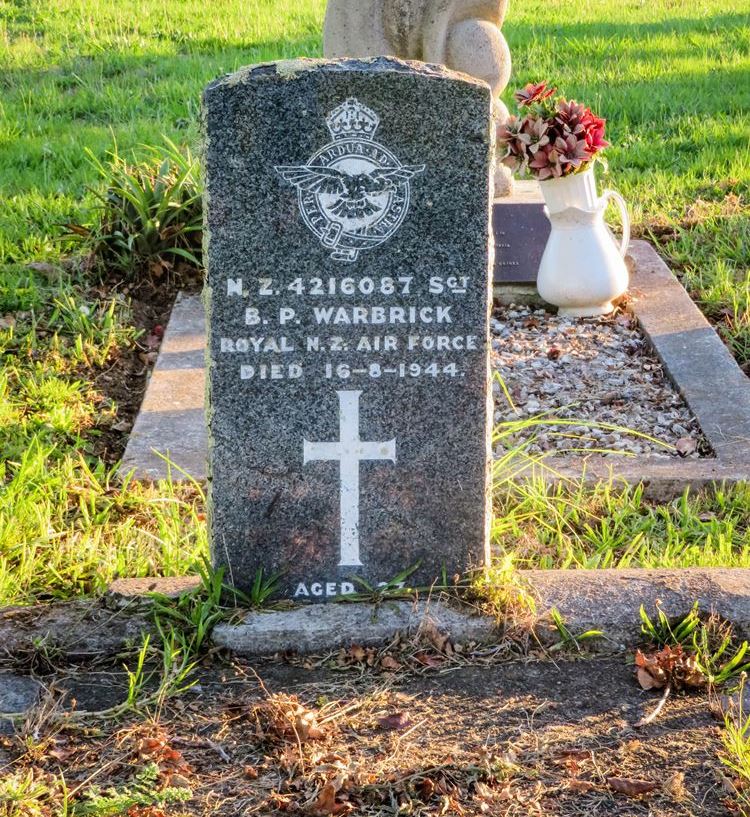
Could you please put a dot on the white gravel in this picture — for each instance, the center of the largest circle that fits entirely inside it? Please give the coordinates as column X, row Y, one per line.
column 599, row 372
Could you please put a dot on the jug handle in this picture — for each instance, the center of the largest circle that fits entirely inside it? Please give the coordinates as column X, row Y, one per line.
column 620, row 202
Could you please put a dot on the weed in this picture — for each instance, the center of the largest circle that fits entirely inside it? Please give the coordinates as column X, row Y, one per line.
column 144, row 790
column 736, row 754
column 707, row 643
column 263, row 588
column 500, row 591
column 150, row 213
column 193, row 614
column 29, row 793
column 394, row 588
column 569, row 640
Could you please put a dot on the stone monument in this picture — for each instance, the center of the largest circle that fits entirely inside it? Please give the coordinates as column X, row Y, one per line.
column 348, row 297
column 465, row 36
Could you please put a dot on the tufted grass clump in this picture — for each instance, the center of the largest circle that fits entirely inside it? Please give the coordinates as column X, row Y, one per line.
column 149, row 215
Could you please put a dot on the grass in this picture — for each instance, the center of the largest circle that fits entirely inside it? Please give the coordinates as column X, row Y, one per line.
column 78, row 75
column 736, row 755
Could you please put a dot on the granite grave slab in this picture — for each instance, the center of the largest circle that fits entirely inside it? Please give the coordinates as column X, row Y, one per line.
column 349, row 289
column 521, row 230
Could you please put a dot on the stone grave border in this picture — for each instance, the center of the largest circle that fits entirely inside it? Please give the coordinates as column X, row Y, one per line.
column 604, row 599
column 693, row 356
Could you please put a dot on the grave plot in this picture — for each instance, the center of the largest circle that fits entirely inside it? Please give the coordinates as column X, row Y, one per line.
column 671, row 379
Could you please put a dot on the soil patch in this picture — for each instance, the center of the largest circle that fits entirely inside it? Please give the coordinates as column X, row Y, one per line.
column 124, row 380
column 519, row 738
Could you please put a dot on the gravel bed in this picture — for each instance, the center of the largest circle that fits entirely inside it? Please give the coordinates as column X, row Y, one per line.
column 598, row 372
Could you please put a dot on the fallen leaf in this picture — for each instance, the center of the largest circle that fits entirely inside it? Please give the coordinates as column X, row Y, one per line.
column 251, row 773
column 675, row 786
column 389, row 663
column 397, row 721
column 357, row 653
column 686, row 446
column 325, row 803
column 146, row 811
column 441, row 641
column 630, row 787
column 648, row 681
column 574, row 784
column 122, row 425
column 429, row 659
column 482, row 790
column 426, row 789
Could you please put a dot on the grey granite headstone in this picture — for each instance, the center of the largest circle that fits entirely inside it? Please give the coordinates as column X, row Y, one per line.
column 348, row 297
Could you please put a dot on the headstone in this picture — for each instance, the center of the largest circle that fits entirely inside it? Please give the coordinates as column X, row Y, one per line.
column 348, row 248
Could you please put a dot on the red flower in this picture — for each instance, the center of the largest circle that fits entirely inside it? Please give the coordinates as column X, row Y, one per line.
column 533, row 93
column 594, row 132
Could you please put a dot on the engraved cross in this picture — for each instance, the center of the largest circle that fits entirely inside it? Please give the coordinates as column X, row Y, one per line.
column 349, row 451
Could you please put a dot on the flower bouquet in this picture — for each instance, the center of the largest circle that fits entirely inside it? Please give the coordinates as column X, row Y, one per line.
column 553, row 138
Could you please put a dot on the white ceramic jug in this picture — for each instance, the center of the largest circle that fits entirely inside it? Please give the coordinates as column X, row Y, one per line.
column 582, row 269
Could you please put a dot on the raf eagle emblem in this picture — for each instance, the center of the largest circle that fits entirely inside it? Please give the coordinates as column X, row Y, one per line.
column 353, row 194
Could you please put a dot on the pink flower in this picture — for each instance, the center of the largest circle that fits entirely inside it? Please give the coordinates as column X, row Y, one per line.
column 534, row 133
column 532, row 93
column 509, row 131
column 547, row 164
column 571, row 113
column 509, row 136
column 572, row 150
column 552, row 138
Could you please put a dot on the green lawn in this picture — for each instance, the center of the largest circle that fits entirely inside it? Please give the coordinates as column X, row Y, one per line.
column 673, row 79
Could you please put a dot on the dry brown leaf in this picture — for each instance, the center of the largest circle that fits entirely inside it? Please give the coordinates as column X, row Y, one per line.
column 631, row 787
column 146, row 811
column 389, row 663
column 648, row 681
column 670, row 664
column 428, row 659
column 426, row 789
column 675, row 786
column 357, row 653
column 686, row 446
column 398, row 721
column 325, row 803
column 441, row 641
column 251, row 773
column 575, row 784
column 483, row 790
